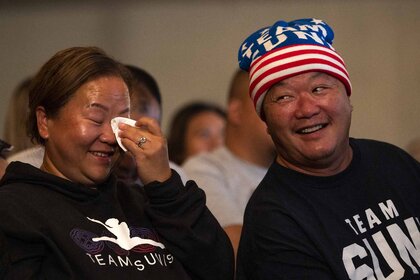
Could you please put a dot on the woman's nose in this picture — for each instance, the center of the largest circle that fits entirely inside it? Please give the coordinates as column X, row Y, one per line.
column 216, row 141
column 108, row 135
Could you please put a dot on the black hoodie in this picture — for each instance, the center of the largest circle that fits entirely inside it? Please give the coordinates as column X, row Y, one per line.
column 52, row 228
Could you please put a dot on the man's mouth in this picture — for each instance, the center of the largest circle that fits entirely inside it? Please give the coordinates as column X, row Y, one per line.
column 311, row 129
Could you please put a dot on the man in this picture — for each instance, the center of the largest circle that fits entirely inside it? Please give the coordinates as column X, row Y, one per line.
column 231, row 173
column 330, row 206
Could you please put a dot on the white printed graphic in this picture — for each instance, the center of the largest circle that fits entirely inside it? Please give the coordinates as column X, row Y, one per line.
column 116, row 130
column 122, row 233
column 375, row 256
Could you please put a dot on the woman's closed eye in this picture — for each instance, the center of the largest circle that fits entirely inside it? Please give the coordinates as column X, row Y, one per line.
column 97, row 121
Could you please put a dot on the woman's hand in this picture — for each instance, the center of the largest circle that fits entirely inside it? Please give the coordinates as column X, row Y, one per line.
column 149, row 148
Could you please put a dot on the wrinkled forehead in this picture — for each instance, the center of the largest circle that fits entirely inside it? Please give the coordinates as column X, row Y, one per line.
column 109, row 94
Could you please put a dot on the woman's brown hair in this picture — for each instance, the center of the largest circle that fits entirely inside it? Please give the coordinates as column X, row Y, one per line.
column 62, row 75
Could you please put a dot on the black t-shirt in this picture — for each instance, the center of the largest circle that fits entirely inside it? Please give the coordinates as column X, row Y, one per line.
column 360, row 223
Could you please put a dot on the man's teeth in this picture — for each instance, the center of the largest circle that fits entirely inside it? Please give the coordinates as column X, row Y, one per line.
column 99, row 154
column 311, row 129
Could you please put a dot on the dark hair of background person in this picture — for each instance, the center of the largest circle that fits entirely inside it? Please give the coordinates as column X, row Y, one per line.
column 141, row 83
column 14, row 131
column 146, row 101
column 62, row 75
column 179, row 125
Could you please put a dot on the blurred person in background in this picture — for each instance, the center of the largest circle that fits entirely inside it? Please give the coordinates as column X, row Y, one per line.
column 5, row 148
column 230, row 173
column 195, row 128
column 146, row 100
column 14, row 123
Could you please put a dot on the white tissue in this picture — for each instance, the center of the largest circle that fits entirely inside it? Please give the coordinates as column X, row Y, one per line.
column 116, row 130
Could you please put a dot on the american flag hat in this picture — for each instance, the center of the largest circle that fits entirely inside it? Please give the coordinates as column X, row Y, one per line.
column 287, row 49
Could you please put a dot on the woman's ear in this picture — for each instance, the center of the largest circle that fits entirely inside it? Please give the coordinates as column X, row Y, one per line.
column 42, row 122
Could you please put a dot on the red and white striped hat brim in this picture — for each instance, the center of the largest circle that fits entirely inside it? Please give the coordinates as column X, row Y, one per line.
column 289, row 61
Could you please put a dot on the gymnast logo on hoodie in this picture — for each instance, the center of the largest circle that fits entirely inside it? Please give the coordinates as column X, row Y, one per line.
column 122, row 233
column 122, row 240
column 118, row 236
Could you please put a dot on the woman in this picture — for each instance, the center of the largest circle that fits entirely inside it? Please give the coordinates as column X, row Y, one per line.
column 5, row 148
column 14, row 132
column 71, row 219
column 195, row 128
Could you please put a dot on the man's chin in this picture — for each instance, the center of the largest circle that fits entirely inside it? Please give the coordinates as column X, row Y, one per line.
column 319, row 153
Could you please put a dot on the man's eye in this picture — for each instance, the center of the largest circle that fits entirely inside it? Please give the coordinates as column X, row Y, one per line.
column 318, row 90
column 281, row 98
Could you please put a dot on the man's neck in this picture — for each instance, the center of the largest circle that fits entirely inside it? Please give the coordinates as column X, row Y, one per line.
column 320, row 168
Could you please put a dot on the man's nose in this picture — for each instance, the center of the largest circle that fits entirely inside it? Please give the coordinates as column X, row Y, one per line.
column 307, row 106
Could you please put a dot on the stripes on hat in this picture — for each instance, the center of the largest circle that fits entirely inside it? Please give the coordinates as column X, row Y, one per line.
column 292, row 60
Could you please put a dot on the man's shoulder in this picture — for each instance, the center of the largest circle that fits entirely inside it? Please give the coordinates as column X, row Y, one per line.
column 370, row 142
column 370, row 146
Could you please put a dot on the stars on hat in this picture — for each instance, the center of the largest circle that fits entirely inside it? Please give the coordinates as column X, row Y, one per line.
column 317, row 21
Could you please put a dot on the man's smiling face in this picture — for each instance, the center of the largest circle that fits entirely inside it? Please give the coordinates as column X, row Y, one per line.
column 308, row 117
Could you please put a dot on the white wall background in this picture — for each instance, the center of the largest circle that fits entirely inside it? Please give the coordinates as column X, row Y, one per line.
column 191, row 48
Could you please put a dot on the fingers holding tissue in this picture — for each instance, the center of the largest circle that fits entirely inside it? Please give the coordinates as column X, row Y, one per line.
column 144, row 140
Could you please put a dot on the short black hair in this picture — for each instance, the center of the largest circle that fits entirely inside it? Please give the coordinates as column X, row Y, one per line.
column 141, row 76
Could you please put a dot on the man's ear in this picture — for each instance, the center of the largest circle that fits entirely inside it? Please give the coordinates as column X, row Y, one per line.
column 234, row 111
column 42, row 122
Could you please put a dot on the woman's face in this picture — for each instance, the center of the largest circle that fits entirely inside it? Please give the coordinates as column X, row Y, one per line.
column 205, row 132
column 80, row 145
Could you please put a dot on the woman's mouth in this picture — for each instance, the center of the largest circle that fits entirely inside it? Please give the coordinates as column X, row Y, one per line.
column 103, row 155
